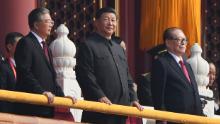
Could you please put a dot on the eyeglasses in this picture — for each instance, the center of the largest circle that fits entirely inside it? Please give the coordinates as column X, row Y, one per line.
column 48, row 21
column 179, row 40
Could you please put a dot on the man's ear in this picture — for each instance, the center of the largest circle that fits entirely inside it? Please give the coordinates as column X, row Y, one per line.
column 166, row 42
column 95, row 24
column 36, row 25
column 9, row 47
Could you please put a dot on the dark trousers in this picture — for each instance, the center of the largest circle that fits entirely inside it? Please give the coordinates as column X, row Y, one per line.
column 100, row 118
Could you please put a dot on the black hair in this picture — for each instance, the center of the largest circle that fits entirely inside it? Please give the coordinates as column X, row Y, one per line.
column 104, row 10
column 11, row 38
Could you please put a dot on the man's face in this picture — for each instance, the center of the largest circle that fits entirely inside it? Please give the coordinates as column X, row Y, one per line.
column 177, row 44
column 106, row 24
column 44, row 26
column 14, row 45
column 11, row 47
column 212, row 74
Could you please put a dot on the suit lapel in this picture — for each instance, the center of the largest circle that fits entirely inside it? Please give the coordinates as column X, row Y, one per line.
column 177, row 68
column 39, row 48
column 50, row 57
column 193, row 82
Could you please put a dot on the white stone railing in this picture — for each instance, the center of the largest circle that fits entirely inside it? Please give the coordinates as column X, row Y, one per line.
column 63, row 51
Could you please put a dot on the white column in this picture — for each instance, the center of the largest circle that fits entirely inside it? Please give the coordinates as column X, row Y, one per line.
column 201, row 69
column 63, row 51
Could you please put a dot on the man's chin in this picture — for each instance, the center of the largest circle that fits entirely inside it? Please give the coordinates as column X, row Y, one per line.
column 48, row 34
column 109, row 32
column 183, row 50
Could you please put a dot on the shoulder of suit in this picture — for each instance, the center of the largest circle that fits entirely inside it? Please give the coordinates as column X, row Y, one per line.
column 161, row 55
column 93, row 41
column 88, row 44
column 28, row 39
column 163, row 59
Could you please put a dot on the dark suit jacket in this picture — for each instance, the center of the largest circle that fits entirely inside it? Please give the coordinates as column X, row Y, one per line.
column 171, row 91
column 8, row 76
column 144, row 89
column 7, row 82
column 102, row 70
column 35, row 74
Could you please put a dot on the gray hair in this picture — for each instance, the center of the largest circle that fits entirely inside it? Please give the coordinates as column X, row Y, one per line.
column 36, row 15
column 168, row 33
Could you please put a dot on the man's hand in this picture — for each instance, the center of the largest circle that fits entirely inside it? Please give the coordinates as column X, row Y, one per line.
column 50, row 96
column 105, row 100
column 137, row 105
column 74, row 100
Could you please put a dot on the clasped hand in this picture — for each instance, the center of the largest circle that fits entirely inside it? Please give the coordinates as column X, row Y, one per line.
column 134, row 103
column 50, row 97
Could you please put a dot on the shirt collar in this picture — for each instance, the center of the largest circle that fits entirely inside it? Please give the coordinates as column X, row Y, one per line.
column 106, row 41
column 39, row 39
column 177, row 59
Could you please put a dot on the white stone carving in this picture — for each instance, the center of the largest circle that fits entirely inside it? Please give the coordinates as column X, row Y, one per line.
column 64, row 50
column 200, row 68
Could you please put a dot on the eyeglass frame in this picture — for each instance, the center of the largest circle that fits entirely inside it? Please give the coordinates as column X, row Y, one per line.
column 183, row 40
column 48, row 21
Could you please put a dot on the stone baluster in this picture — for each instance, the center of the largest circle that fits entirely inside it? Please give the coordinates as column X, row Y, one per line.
column 64, row 50
column 200, row 68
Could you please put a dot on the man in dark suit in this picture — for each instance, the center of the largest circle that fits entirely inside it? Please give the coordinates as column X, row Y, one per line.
column 2, row 75
column 144, row 80
column 35, row 72
column 173, row 83
column 8, row 71
column 102, row 70
column 3, row 82
column 11, row 41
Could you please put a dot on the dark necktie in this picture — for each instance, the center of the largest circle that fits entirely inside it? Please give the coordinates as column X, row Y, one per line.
column 45, row 49
column 184, row 70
